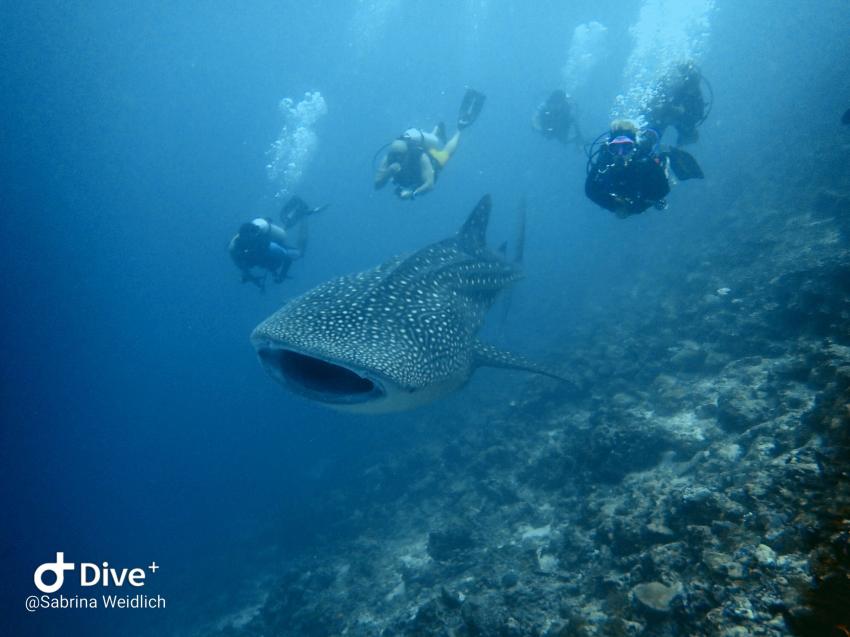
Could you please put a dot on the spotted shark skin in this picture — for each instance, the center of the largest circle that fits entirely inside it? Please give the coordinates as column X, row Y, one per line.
column 399, row 335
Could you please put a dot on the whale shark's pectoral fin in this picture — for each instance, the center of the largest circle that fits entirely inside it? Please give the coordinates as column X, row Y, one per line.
column 489, row 356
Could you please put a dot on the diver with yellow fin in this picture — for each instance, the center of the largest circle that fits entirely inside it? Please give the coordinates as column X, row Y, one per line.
column 416, row 158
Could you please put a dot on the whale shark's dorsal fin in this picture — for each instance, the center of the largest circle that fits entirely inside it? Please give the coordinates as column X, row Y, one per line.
column 472, row 234
column 519, row 249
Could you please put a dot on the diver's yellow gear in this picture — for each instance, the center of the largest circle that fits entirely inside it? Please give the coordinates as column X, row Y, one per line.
column 440, row 156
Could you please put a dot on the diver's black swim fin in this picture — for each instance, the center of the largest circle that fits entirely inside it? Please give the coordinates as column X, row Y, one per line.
column 297, row 209
column 683, row 165
column 293, row 211
column 845, row 119
column 470, row 108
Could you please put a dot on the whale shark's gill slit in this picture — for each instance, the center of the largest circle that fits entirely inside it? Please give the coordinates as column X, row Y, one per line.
column 315, row 374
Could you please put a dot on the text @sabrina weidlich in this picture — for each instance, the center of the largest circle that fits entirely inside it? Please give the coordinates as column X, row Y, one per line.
column 119, row 586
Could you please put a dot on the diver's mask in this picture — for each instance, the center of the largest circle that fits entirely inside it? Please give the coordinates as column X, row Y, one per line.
column 622, row 147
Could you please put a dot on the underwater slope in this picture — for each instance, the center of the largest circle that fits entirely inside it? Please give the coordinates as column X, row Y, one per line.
column 699, row 487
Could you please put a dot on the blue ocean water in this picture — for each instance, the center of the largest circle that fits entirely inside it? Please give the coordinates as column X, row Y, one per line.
column 137, row 425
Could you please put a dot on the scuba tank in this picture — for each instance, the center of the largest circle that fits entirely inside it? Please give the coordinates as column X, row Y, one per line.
column 273, row 232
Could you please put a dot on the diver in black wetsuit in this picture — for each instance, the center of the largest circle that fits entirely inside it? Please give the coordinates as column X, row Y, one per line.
column 630, row 171
column 679, row 103
column 263, row 245
column 555, row 119
column 626, row 174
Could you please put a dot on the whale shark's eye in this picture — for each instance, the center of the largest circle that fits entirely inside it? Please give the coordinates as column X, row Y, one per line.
column 315, row 374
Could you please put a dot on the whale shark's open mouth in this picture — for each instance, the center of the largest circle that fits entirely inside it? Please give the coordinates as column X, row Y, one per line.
column 318, row 378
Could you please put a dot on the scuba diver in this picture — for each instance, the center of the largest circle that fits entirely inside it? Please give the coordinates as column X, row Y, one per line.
column 415, row 159
column 625, row 173
column 628, row 172
column 263, row 245
column 554, row 119
column 679, row 103
column 845, row 119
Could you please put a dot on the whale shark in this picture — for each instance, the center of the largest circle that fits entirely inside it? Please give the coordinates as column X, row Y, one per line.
column 397, row 336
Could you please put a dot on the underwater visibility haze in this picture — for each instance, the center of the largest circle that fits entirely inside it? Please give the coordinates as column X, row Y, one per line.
column 677, row 465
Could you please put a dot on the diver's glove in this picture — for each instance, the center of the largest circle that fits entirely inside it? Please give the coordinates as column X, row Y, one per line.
column 405, row 193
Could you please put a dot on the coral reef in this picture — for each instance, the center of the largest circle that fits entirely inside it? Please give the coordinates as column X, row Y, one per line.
column 697, row 484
